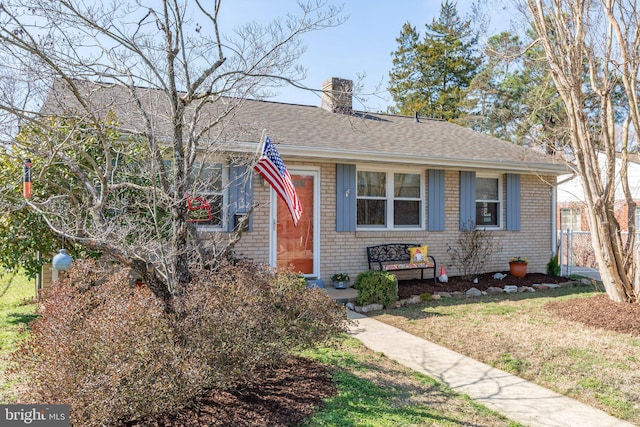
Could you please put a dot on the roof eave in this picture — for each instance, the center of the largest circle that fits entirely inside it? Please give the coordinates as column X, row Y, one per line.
column 334, row 154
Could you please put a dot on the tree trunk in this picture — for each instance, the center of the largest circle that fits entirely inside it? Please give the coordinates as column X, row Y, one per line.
column 566, row 31
column 615, row 281
column 605, row 237
column 180, row 254
column 156, row 284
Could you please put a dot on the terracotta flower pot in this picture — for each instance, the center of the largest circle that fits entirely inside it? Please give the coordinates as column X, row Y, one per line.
column 518, row 269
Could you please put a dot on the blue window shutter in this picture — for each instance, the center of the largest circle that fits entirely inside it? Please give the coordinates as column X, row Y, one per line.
column 513, row 202
column 435, row 206
column 345, row 197
column 240, row 193
column 467, row 200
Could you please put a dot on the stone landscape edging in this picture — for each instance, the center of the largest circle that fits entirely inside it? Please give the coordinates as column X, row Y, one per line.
column 471, row 293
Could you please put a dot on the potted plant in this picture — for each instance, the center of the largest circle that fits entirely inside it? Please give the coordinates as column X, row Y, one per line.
column 340, row 280
column 518, row 266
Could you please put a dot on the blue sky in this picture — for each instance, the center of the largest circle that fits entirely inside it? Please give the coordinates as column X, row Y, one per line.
column 361, row 45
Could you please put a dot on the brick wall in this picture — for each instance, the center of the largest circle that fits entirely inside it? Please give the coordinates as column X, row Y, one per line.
column 46, row 275
column 577, row 206
column 620, row 208
column 621, row 212
column 346, row 251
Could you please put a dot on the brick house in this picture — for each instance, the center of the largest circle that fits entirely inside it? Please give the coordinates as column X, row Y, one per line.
column 571, row 211
column 366, row 179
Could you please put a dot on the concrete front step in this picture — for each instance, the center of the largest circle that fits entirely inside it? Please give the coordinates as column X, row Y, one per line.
column 342, row 296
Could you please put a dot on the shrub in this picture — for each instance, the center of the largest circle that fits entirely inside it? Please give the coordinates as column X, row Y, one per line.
column 243, row 316
column 553, row 267
column 376, row 287
column 114, row 353
column 472, row 250
column 107, row 350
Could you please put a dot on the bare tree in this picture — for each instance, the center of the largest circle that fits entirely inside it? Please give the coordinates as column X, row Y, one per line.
column 141, row 92
column 472, row 250
column 592, row 50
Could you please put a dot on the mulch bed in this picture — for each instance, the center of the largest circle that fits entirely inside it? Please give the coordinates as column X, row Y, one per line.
column 406, row 288
column 600, row 312
column 287, row 394
column 597, row 311
column 281, row 396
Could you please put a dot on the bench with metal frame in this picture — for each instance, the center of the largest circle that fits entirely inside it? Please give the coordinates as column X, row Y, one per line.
column 396, row 257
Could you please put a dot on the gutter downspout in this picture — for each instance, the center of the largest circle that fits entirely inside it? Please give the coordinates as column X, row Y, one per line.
column 554, row 220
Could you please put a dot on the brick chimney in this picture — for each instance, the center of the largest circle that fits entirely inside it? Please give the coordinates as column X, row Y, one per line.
column 337, row 95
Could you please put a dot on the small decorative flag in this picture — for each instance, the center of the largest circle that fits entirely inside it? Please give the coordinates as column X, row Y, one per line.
column 271, row 167
column 26, row 187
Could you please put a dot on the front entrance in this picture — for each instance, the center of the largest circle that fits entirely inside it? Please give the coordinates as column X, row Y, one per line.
column 296, row 247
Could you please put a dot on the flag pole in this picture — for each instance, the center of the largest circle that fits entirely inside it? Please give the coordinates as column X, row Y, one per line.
column 260, row 148
column 271, row 167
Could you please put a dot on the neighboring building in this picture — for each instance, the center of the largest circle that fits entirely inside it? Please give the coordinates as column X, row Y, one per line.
column 366, row 179
column 572, row 204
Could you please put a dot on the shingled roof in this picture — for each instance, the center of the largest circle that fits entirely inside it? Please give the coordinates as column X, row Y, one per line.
column 313, row 133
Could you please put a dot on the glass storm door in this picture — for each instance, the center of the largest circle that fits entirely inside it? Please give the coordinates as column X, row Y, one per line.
column 295, row 246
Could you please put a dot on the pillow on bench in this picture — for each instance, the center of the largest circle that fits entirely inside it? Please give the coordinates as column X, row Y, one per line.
column 417, row 254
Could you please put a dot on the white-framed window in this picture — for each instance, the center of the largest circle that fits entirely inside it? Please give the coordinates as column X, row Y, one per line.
column 208, row 183
column 637, row 219
column 489, row 201
column 571, row 218
column 390, row 200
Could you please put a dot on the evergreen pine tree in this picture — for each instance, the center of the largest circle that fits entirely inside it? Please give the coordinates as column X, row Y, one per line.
column 513, row 96
column 430, row 77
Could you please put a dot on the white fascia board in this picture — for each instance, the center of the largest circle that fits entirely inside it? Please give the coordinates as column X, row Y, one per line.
column 372, row 157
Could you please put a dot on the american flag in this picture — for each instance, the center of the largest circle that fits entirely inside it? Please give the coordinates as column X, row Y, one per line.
column 271, row 167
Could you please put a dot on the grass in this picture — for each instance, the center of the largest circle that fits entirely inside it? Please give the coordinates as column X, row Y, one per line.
column 376, row 391
column 17, row 307
column 372, row 389
column 517, row 334
column 511, row 332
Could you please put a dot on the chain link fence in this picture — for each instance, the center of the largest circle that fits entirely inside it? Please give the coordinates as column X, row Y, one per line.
column 576, row 250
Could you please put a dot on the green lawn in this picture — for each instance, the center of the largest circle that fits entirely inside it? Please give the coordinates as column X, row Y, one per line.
column 372, row 389
column 17, row 307
column 376, row 391
column 519, row 334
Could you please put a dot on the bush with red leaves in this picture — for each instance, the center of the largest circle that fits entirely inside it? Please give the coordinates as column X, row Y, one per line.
column 242, row 317
column 114, row 353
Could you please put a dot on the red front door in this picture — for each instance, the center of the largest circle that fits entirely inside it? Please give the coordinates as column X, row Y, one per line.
column 295, row 244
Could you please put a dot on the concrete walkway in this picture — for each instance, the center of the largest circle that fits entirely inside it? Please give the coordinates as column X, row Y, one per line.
column 515, row 398
column 592, row 273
